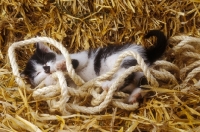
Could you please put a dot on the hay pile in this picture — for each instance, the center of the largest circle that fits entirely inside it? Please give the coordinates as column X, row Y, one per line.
column 82, row 24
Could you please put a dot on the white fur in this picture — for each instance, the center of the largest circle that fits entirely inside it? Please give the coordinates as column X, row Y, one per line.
column 85, row 68
column 82, row 58
column 39, row 75
column 87, row 73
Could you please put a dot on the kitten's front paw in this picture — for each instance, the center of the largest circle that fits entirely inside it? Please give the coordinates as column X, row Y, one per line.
column 49, row 80
column 106, row 85
column 133, row 98
column 61, row 65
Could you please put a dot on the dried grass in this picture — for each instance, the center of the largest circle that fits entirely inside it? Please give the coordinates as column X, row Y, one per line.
column 80, row 24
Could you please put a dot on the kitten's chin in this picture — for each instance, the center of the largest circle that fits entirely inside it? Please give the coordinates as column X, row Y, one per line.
column 49, row 80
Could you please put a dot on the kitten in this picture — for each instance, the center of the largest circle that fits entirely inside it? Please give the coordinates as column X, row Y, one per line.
column 94, row 62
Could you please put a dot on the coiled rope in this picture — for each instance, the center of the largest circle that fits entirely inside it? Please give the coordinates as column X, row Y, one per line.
column 100, row 100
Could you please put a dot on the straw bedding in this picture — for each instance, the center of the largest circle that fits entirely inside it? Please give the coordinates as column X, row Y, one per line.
column 172, row 102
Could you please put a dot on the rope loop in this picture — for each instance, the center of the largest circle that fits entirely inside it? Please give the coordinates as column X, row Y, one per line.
column 66, row 98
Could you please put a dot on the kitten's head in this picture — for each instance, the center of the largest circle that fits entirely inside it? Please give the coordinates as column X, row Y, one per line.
column 40, row 65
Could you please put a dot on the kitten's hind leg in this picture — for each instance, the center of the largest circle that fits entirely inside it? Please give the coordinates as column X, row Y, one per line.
column 107, row 84
column 135, row 95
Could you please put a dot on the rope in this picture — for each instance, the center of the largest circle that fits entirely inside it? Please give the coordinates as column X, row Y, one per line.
column 187, row 47
column 66, row 99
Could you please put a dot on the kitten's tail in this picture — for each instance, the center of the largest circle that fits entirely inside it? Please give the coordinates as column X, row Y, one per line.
column 155, row 52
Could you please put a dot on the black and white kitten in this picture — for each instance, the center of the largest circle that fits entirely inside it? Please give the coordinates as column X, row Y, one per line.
column 94, row 62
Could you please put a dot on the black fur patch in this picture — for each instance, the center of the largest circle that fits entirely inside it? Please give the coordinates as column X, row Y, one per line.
column 29, row 70
column 128, row 63
column 43, row 58
column 128, row 80
column 46, row 69
column 97, row 61
column 40, row 57
column 155, row 52
column 105, row 52
column 75, row 63
column 143, row 81
column 111, row 49
column 89, row 53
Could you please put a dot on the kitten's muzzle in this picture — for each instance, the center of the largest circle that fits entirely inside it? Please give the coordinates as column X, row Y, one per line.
column 46, row 69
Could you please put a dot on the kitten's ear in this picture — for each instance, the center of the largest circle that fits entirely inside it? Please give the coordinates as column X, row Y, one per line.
column 42, row 47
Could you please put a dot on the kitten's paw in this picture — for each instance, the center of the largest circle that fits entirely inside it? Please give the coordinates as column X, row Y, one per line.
column 61, row 65
column 106, row 85
column 49, row 80
column 133, row 98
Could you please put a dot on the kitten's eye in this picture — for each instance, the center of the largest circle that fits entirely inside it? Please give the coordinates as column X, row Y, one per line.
column 38, row 73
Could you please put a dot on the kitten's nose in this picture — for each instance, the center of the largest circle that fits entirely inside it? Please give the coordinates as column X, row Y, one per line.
column 46, row 69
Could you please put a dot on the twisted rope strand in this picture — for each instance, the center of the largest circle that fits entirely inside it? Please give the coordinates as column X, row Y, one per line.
column 186, row 41
column 192, row 69
column 178, row 38
column 168, row 66
column 192, row 55
column 164, row 76
column 189, row 67
column 191, row 75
